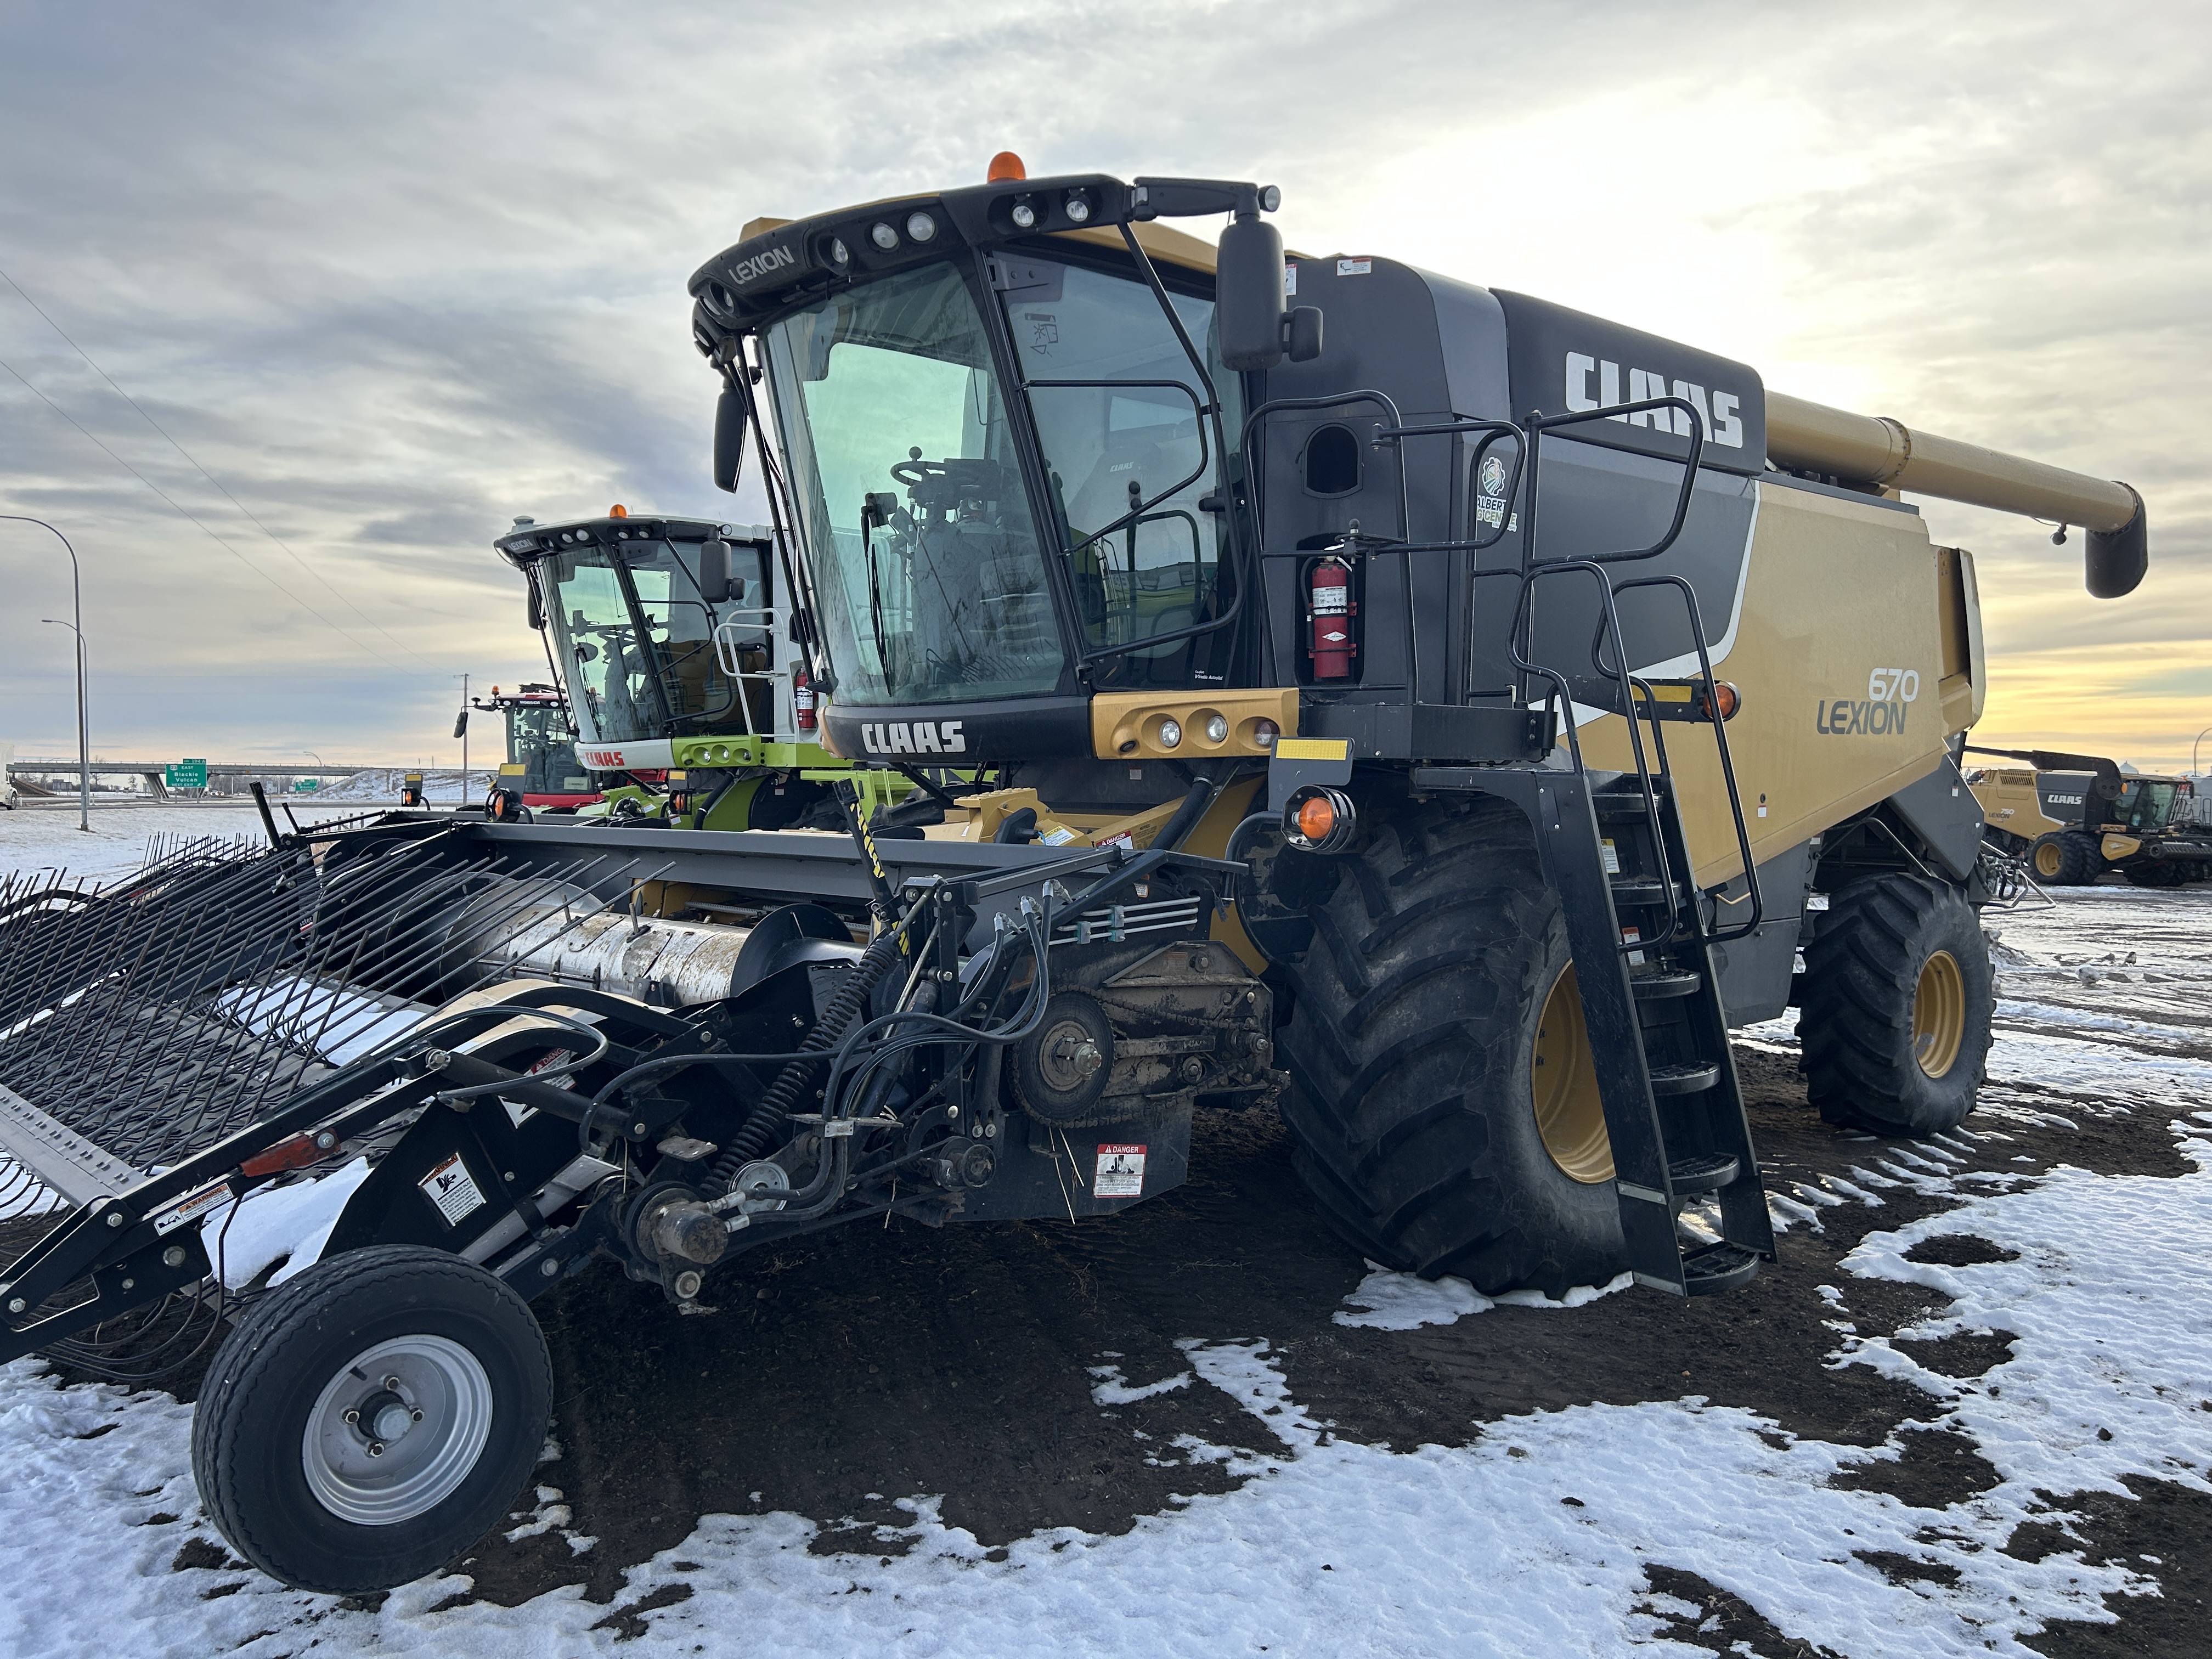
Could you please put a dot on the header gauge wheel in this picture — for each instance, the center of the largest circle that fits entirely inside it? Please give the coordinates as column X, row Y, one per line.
column 372, row 1419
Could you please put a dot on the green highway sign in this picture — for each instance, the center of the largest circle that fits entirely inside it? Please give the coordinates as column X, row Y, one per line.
column 185, row 774
column 306, row 785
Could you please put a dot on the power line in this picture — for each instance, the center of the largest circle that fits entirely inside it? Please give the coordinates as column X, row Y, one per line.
column 202, row 470
column 219, row 539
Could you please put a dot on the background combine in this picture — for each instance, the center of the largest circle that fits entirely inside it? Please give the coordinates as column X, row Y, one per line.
column 541, row 771
column 2073, row 817
column 670, row 641
column 1429, row 709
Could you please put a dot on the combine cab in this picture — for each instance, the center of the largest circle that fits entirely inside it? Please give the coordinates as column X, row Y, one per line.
column 1425, row 710
column 672, row 641
column 541, row 772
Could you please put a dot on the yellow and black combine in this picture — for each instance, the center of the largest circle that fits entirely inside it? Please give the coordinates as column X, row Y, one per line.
column 1318, row 684
column 2076, row 817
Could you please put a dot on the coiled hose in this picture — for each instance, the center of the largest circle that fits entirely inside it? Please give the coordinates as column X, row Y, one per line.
column 760, row 1126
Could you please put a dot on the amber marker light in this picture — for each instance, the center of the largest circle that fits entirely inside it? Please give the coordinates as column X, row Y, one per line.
column 1318, row 819
column 1006, row 165
column 617, row 511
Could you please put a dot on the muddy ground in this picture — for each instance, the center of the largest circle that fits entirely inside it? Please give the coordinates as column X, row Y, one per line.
column 844, row 1372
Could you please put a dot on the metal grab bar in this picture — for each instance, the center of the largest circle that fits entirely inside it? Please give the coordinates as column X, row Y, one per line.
column 1609, row 620
column 728, row 645
column 1538, row 423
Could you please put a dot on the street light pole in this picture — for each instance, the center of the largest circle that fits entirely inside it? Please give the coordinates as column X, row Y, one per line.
column 2192, row 748
column 83, row 738
column 83, row 764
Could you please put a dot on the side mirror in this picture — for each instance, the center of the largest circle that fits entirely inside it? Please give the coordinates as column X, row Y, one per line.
column 1249, row 292
column 461, row 724
column 534, row 603
column 1302, row 334
column 729, row 438
column 714, row 569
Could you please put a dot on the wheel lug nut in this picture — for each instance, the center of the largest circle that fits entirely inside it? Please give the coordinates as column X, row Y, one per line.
column 353, row 1416
column 376, row 1449
column 392, row 1383
column 416, row 1416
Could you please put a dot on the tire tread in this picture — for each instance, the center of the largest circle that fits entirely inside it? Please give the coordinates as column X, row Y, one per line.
column 261, row 1343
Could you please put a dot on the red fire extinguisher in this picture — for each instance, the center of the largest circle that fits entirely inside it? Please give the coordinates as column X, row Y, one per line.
column 1328, row 596
column 802, row 701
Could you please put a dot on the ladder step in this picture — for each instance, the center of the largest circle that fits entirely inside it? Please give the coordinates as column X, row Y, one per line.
column 1684, row 1080
column 1627, row 809
column 1703, row 1172
column 1718, row 1267
column 1666, row 983
column 1638, row 890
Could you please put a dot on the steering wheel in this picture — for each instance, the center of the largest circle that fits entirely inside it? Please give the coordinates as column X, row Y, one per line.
column 913, row 471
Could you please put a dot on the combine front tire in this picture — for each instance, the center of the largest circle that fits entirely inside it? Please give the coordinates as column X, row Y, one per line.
column 371, row 1419
column 1896, row 1007
column 1444, row 1108
column 2065, row 858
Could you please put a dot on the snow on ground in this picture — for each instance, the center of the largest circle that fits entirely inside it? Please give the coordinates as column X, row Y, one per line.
column 383, row 783
column 45, row 838
column 1388, row 1301
column 1338, row 1547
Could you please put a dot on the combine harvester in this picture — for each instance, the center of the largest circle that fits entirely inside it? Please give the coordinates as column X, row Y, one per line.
column 1446, row 728
column 541, row 772
column 663, row 687
column 2072, row 817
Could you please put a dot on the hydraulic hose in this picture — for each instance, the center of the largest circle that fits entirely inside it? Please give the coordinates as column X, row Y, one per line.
column 760, row 1126
column 1177, row 829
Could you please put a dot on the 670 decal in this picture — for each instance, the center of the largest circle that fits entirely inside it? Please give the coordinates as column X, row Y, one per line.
column 1879, row 713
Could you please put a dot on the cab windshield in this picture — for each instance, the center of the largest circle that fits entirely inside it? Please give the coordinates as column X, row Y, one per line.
column 636, row 643
column 537, row 741
column 2145, row 806
column 929, row 572
column 929, row 564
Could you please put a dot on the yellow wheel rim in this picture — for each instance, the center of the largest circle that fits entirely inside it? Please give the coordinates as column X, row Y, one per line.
column 1939, row 1014
column 1563, row 1081
column 2048, row 858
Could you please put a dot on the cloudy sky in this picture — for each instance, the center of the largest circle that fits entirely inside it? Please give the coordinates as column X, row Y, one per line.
column 395, row 274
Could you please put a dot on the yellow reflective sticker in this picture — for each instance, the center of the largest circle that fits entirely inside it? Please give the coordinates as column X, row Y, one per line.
column 1335, row 749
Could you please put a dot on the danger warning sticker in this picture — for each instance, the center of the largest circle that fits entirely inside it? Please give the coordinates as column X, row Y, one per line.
column 1120, row 1173
column 192, row 1208
column 453, row 1189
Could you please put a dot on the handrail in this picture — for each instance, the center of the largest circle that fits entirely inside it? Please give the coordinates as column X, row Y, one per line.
column 1752, row 890
column 1638, row 700
column 1610, row 619
column 726, row 656
column 1257, row 474
column 1538, row 424
column 1136, row 513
